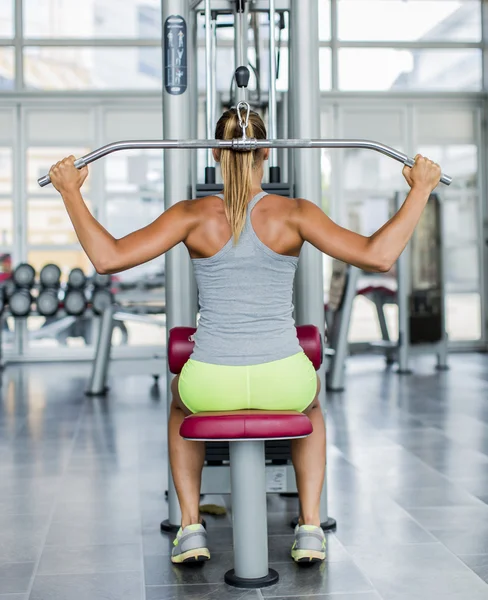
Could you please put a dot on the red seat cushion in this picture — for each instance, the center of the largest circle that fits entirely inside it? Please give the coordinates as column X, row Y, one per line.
column 376, row 289
column 180, row 346
column 246, row 424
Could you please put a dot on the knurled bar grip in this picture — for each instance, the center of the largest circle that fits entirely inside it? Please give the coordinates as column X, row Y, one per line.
column 242, row 145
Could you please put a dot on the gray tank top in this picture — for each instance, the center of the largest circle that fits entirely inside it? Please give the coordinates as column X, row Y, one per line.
column 246, row 302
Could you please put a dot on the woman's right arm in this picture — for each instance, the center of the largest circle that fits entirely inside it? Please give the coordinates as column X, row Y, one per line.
column 381, row 250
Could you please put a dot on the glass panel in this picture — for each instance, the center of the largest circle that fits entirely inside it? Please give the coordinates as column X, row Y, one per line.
column 461, row 238
column 324, row 19
column 48, row 68
column 377, row 69
column 48, row 223
column 365, row 170
column 6, row 172
column 7, row 18
column 6, row 222
column 134, row 171
column 409, row 20
column 7, row 69
column 92, row 19
column 40, row 160
column 125, row 215
column 65, row 259
column 463, row 316
column 325, row 65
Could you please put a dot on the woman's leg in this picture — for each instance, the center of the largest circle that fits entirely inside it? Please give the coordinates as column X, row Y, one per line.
column 308, row 457
column 186, row 459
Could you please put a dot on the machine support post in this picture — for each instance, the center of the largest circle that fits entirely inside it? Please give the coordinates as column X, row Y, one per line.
column 181, row 305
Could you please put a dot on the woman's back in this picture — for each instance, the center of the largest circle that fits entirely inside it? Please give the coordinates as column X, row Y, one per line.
column 245, row 289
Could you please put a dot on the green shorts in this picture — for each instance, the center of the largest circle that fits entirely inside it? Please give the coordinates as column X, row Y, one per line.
column 287, row 384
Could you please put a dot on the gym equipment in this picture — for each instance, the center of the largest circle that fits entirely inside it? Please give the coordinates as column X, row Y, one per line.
column 8, row 289
column 421, row 294
column 420, row 297
column 20, row 302
column 76, row 279
column 246, row 432
column 75, row 302
column 240, row 145
column 24, row 276
column 48, row 302
column 20, row 299
column 178, row 120
column 102, row 296
column 50, row 276
column 101, row 281
column 97, row 386
column 48, row 299
column 101, row 299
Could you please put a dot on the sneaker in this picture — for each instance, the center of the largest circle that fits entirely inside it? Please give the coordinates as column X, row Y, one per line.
column 309, row 545
column 190, row 545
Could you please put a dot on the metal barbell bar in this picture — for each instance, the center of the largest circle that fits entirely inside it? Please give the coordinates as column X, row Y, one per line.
column 241, row 145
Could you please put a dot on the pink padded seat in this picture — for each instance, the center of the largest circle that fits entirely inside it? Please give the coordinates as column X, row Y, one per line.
column 180, row 346
column 246, row 425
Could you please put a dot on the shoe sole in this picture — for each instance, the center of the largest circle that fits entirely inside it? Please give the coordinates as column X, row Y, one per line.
column 307, row 556
column 192, row 556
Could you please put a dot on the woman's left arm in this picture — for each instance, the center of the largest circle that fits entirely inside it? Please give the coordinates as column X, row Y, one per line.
column 108, row 254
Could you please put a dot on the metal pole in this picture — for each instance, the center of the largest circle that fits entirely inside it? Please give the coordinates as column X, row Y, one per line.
column 248, row 484
column 214, row 70
column 304, row 56
column 180, row 284
column 272, row 125
column 208, row 60
column 98, row 382
column 241, row 145
column 340, row 328
column 240, row 45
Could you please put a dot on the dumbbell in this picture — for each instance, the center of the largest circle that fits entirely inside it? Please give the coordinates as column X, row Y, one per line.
column 6, row 289
column 20, row 299
column 102, row 296
column 24, row 276
column 48, row 298
column 75, row 300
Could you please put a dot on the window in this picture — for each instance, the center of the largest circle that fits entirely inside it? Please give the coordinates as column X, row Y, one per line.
column 6, row 205
column 409, row 20
column 461, row 238
column 7, row 18
column 7, row 69
column 381, row 69
column 50, row 68
column 88, row 19
column 324, row 19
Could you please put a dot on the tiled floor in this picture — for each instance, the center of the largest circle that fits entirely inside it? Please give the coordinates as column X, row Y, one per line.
column 82, row 491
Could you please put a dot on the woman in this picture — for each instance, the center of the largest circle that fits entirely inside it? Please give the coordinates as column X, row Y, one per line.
column 245, row 247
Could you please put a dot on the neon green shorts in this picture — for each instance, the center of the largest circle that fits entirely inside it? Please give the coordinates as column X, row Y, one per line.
column 287, row 384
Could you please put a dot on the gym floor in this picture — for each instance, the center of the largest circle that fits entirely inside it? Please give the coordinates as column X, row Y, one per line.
column 82, row 491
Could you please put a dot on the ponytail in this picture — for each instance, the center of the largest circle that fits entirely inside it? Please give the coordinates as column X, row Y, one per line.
column 237, row 168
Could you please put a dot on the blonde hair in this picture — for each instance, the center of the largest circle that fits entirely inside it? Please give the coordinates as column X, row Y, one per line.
column 237, row 167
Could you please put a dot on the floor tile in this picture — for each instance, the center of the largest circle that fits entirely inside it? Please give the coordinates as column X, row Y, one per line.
column 15, row 577
column 422, row 572
column 200, row 592
column 99, row 586
column 89, row 533
column 56, row 560
column 338, row 577
column 355, row 596
column 478, row 563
